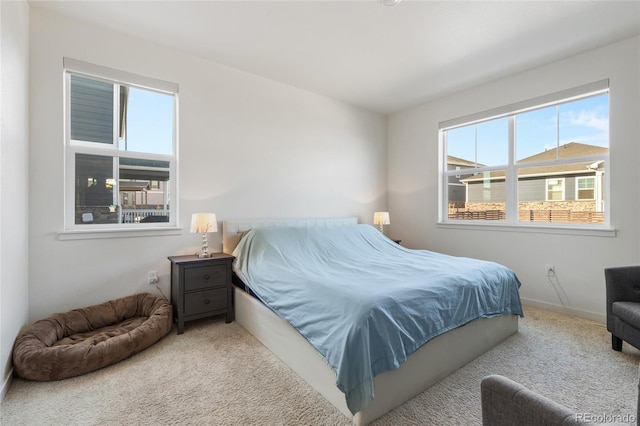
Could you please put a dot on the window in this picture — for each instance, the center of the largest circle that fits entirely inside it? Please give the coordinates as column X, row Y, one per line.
column 555, row 189
column 544, row 160
column 120, row 146
column 585, row 188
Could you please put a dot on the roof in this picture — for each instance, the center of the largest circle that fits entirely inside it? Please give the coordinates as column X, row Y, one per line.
column 456, row 161
column 567, row 151
column 133, row 186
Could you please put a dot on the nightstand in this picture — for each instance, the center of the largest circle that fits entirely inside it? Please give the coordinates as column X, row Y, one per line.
column 201, row 288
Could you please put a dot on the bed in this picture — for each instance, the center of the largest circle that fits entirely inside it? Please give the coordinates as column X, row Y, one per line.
column 284, row 264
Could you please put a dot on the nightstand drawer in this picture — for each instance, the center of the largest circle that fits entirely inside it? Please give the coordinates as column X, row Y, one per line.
column 205, row 276
column 204, row 301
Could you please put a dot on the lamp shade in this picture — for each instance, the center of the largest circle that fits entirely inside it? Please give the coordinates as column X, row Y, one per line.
column 381, row 218
column 202, row 223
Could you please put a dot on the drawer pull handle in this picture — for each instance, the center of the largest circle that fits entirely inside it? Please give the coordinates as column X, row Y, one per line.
column 206, row 301
column 206, row 277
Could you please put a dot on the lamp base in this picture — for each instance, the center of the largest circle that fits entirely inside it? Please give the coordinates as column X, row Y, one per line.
column 205, row 248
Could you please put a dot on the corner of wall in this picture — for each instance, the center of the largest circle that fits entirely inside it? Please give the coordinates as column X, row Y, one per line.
column 14, row 166
column 6, row 384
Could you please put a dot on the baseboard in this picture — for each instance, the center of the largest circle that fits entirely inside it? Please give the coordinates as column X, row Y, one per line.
column 6, row 384
column 601, row 318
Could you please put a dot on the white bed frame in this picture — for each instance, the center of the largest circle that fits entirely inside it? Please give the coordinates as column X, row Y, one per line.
column 434, row 361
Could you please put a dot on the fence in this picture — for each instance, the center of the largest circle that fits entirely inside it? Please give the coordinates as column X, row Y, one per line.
column 545, row 216
column 144, row 215
column 563, row 216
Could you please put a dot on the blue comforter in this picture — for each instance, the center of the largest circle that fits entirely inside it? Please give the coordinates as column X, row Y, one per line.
column 364, row 302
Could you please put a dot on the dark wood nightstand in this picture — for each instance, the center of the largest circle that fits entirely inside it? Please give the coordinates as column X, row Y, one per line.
column 201, row 288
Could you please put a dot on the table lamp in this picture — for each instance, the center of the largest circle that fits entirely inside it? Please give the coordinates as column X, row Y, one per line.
column 381, row 219
column 203, row 223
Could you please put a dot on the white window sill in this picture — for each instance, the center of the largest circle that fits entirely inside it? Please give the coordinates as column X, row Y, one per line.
column 90, row 234
column 593, row 231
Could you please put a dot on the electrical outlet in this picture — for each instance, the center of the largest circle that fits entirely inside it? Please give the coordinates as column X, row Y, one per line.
column 152, row 278
column 549, row 270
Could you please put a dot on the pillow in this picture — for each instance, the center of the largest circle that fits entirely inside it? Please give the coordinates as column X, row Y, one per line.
column 242, row 234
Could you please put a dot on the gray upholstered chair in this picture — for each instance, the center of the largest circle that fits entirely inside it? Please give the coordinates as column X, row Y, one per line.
column 623, row 305
column 507, row 403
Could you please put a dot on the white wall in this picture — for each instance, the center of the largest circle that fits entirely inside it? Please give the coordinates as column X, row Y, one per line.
column 14, row 156
column 579, row 260
column 249, row 147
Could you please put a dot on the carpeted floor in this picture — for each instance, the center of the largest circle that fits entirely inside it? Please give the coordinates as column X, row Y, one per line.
column 218, row 374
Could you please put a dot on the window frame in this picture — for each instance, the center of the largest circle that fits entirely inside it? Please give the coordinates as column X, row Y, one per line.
column 511, row 221
column 73, row 147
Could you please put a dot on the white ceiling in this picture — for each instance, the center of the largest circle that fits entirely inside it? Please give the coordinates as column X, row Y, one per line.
column 384, row 58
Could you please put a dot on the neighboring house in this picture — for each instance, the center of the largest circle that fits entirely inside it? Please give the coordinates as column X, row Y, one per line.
column 458, row 189
column 559, row 190
column 143, row 190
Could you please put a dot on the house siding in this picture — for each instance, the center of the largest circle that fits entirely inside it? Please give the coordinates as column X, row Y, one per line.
column 529, row 190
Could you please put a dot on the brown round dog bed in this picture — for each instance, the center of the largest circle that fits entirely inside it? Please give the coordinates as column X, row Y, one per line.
column 83, row 340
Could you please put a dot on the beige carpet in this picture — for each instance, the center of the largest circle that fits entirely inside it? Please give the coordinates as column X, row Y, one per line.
column 218, row 374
